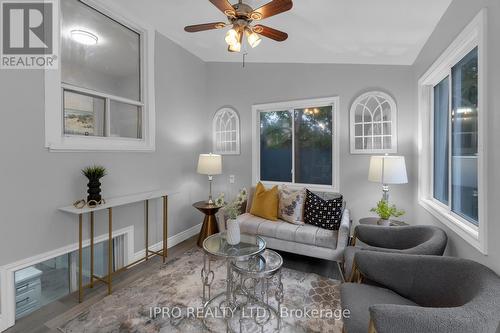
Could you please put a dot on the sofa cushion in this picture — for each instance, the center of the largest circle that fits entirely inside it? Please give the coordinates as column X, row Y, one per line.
column 291, row 204
column 265, row 202
column 304, row 234
column 357, row 298
column 326, row 214
column 326, row 238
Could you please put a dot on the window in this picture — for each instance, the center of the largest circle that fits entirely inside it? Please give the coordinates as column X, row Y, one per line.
column 295, row 142
column 373, row 119
column 452, row 129
column 226, row 132
column 101, row 98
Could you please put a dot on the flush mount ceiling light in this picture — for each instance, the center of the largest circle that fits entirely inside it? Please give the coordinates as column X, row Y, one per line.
column 84, row 37
column 240, row 17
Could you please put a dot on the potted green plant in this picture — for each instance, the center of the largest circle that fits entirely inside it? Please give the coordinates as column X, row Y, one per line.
column 385, row 211
column 94, row 174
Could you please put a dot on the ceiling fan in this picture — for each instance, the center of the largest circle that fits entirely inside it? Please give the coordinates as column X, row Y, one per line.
column 240, row 17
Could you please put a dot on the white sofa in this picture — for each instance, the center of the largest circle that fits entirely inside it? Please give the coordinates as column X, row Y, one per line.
column 305, row 239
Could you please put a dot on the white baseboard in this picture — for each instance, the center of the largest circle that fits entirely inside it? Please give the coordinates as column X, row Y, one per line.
column 171, row 241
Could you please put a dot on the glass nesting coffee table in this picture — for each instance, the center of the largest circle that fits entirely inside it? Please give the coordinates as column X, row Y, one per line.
column 249, row 267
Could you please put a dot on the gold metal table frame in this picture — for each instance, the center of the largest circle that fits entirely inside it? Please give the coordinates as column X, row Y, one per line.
column 110, row 204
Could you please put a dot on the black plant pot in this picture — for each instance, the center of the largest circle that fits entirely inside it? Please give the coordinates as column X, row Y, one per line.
column 94, row 190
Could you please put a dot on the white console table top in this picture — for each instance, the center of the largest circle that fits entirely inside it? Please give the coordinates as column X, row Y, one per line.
column 118, row 201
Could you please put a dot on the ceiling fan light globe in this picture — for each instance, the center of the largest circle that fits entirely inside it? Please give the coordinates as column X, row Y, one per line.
column 235, row 47
column 231, row 37
column 253, row 39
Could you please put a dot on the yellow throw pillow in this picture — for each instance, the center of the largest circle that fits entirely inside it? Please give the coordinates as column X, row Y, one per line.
column 265, row 203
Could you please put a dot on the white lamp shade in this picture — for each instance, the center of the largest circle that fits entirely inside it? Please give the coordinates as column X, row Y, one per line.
column 210, row 164
column 388, row 170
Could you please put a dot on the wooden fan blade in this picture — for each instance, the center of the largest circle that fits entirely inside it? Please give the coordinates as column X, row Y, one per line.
column 205, row 26
column 224, row 6
column 277, row 35
column 272, row 8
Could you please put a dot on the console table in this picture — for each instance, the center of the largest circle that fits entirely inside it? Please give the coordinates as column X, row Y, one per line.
column 109, row 205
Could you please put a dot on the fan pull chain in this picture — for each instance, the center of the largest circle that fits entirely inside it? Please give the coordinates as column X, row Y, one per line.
column 244, row 55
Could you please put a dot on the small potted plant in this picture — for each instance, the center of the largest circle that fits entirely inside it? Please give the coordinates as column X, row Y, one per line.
column 94, row 174
column 386, row 211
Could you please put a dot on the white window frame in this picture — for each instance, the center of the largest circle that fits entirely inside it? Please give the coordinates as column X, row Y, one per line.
column 334, row 102
column 393, row 122
column 56, row 140
column 474, row 35
column 215, row 130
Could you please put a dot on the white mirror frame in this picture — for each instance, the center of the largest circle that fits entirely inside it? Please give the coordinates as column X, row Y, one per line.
column 55, row 140
column 215, row 123
column 394, row 124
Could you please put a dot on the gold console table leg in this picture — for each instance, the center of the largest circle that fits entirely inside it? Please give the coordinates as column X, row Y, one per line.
column 165, row 227
column 146, row 231
column 91, row 249
column 110, row 248
column 80, row 277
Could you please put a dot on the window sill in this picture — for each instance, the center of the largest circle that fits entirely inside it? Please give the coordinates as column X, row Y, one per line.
column 99, row 144
column 466, row 231
column 311, row 187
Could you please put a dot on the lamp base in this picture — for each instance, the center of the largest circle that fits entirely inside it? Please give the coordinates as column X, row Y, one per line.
column 385, row 192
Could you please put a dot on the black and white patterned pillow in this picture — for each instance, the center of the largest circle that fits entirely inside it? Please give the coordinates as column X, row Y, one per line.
column 326, row 214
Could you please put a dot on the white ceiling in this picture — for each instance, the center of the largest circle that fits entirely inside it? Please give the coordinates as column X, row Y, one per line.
column 320, row 31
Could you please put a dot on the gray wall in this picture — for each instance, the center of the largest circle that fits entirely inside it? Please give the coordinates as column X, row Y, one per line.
column 230, row 84
column 35, row 182
column 458, row 15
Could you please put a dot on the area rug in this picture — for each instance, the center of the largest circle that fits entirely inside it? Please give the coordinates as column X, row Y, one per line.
column 312, row 302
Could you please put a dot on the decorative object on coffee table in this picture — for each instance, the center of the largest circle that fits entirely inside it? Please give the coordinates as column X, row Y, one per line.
column 385, row 211
column 209, row 226
column 210, row 165
column 233, row 232
column 387, row 170
column 94, row 174
column 232, row 211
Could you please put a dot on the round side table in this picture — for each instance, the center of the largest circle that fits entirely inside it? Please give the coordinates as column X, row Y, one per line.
column 209, row 226
column 376, row 221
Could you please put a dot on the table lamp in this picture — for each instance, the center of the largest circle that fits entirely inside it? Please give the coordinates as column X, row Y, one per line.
column 387, row 170
column 210, row 165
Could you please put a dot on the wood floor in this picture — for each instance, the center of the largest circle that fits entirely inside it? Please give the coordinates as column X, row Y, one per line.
column 49, row 317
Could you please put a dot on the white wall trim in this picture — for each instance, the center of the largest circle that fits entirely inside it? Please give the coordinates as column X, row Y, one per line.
column 474, row 35
column 55, row 140
column 7, row 287
column 171, row 241
column 297, row 104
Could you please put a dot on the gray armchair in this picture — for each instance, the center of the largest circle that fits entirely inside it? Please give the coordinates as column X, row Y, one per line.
column 416, row 293
column 421, row 239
